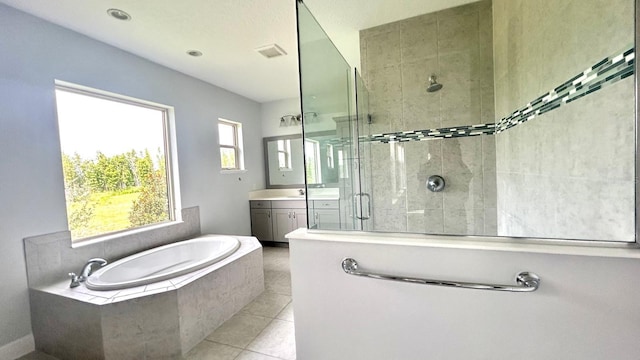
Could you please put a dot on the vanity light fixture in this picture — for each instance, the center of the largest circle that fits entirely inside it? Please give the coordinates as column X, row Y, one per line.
column 290, row 120
column 119, row 14
column 293, row 120
column 311, row 116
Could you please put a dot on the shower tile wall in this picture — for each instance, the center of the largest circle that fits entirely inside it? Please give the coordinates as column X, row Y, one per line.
column 397, row 60
column 568, row 173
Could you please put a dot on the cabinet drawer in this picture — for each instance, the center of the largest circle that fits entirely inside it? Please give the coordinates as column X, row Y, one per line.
column 288, row 204
column 260, row 204
column 326, row 204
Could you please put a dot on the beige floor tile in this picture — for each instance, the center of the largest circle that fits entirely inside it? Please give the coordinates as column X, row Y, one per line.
column 207, row 350
column 276, row 259
column 240, row 330
column 250, row 355
column 268, row 304
column 286, row 313
column 278, row 282
column 277, row 339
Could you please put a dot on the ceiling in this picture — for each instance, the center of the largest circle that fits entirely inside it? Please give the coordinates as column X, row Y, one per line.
column 227, row 32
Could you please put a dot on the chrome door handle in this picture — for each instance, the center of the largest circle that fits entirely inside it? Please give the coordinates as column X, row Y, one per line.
column 368, row 206
column 358, row 205
column 525, row 281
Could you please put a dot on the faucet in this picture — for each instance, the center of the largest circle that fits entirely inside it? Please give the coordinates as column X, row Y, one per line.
column 86, row 271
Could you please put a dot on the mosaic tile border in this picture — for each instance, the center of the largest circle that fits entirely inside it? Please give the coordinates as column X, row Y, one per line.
column 604, row 73
column 421, row 135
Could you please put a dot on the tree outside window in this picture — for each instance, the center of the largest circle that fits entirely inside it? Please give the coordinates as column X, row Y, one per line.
column 114, row 161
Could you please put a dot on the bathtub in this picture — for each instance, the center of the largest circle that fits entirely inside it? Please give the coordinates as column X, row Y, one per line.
column 164, row 262
column 161, row 320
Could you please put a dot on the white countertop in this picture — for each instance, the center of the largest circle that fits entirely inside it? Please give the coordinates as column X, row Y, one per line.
column 276, row 198
column 293, row 194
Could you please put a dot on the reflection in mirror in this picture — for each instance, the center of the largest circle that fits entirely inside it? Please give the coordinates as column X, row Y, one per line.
column 284, row 166
column 525, row 108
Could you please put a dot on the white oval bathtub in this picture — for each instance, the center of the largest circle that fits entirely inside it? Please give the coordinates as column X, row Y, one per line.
column 163, row 263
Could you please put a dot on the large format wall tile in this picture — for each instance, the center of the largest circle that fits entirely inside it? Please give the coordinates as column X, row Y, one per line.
column 455, row 45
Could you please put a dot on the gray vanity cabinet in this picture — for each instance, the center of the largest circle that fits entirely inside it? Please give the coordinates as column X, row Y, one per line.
column 287, row 216
column 272, row 220
column 261, row 226
column 326, row 215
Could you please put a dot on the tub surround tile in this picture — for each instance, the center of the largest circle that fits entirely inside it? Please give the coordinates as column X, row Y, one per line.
column 51, row 257
column 158, row 285
column 126, row 323
column 72, row 319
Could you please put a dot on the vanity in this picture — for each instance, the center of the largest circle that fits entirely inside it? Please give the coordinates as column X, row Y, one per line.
column 282, row 207
column 275, row 214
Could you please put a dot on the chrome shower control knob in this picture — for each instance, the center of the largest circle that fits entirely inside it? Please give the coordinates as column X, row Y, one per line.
column 435, row 183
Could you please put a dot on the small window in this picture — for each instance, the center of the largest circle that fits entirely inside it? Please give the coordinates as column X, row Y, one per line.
column 312, row 160
column 115, row 161
column 230, row 138
column 284, row 154
column 330, row 163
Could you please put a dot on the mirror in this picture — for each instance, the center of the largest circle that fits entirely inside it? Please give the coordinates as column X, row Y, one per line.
column 284, row 165
column 526, row 109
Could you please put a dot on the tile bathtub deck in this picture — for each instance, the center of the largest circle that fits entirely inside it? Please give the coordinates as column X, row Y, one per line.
column 262, row 330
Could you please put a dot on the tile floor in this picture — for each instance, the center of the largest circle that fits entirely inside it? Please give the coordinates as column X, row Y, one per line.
column 262, row 330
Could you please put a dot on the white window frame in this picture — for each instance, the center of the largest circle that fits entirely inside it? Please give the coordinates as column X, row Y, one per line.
column 170, row 151
column 237, row 147
column 286, row 151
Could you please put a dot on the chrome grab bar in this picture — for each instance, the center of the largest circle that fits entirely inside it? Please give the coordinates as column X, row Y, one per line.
column 526, row 281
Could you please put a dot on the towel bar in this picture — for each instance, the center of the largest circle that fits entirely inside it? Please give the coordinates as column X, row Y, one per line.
column 526, row 281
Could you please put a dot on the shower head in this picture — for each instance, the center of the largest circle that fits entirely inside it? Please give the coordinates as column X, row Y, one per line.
column 433, row 84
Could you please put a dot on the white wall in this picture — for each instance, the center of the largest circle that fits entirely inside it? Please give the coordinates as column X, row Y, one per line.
column 34, row 53
column 271, row 112
column 585, row 309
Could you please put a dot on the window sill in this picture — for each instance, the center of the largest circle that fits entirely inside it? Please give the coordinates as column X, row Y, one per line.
column 232, row 171
column 125, row 233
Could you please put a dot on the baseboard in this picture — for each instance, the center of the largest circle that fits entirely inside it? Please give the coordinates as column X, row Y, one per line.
column 17, row 348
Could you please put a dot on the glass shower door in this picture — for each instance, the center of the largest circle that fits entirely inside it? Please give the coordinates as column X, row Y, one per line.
column 362, row 126
column 326, row 88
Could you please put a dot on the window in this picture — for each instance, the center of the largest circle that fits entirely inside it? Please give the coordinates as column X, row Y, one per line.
column 312, row 160
column 330, row 163
column 230, row 137
column 284, row 154
column 115, row 160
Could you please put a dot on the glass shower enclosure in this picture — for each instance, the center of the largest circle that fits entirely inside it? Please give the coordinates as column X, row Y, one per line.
column 444, row 129
column 338, row 196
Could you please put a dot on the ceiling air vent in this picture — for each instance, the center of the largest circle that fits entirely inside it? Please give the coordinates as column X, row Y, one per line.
column 271, row 51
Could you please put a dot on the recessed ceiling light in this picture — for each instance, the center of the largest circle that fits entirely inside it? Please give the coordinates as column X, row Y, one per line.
column 271, row 51
column 119, row 14
column 194, row 53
